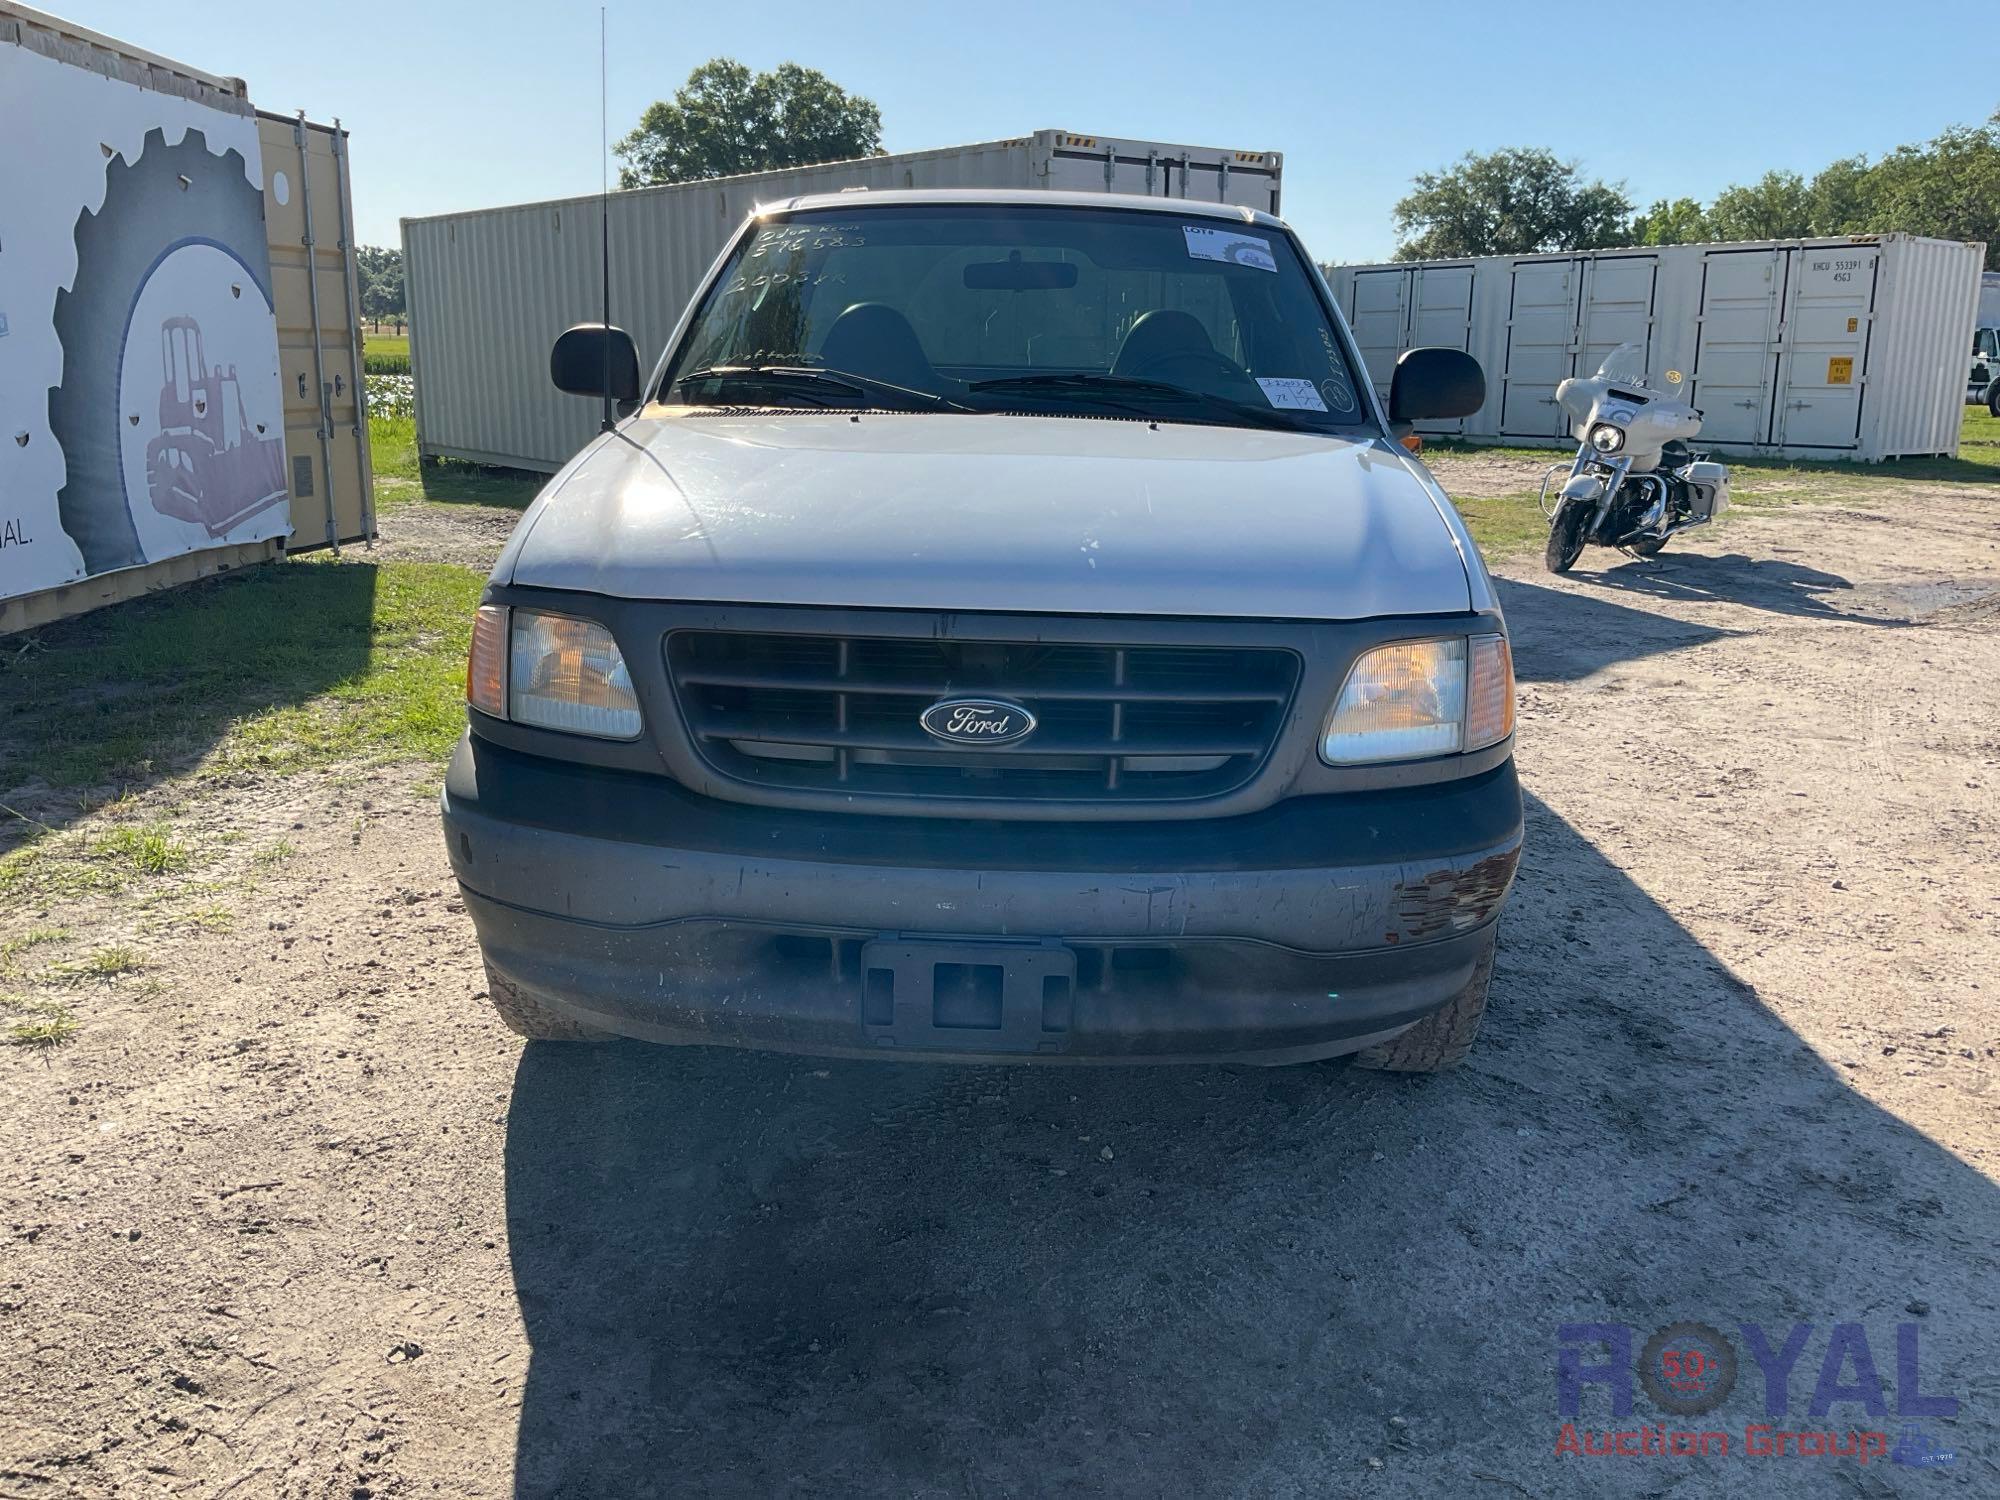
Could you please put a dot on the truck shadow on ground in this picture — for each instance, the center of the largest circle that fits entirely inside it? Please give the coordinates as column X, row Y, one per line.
column 1560, row 636
column 747, row 1274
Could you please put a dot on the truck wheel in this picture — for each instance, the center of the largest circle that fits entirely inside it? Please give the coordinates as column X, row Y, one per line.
column 1442, row 1039
column 1993, row 398
column 1566, row 537
column 530, row 1018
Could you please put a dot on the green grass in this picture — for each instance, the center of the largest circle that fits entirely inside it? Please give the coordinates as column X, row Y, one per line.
column 153, row 850
column 386, row 343
column 102, row 964
column 286, row 666
column 35, row 1023
column 400, row 479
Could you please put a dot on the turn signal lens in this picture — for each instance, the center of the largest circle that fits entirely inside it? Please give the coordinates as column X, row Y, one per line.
column 486, row 662
column 1489, row 701
column 567, row 674
column 1400, row 702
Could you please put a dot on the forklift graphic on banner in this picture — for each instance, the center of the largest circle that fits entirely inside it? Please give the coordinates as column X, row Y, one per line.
column 208, row 464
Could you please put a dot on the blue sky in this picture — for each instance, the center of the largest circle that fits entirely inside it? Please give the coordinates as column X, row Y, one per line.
column 463, row 106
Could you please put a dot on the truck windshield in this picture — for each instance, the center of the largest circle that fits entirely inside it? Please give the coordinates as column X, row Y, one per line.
column 1050, row 310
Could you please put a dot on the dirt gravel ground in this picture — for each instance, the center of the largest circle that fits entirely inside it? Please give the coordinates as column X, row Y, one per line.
column 298, row 1218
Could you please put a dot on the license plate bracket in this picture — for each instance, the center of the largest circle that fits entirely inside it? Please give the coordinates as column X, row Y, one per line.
column 930, row 995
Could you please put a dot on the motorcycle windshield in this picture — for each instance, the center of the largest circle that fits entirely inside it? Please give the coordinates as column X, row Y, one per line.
column 1626, row 363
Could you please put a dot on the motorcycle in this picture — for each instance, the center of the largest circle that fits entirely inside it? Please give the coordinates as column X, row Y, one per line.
column 1634, row 482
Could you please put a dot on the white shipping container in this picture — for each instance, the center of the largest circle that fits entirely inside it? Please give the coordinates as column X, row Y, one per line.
column 1848, row 347
column 489, row 290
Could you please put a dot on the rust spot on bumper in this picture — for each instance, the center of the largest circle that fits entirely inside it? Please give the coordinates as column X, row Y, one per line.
column 1445, row 902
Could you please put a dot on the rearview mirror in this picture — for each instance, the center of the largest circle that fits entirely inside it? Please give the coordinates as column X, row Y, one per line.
column 1433, row 384
column 1017, row 275
column 590, row 358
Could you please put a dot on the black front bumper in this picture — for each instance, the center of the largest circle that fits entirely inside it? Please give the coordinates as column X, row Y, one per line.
column 1312, row 928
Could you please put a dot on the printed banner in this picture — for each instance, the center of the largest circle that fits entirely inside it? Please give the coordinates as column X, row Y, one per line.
column 140, row 411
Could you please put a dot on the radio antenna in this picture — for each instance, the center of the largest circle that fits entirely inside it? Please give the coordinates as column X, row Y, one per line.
column 604, row 194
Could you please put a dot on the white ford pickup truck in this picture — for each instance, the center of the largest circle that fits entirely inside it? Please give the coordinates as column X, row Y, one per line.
column 1002, row 627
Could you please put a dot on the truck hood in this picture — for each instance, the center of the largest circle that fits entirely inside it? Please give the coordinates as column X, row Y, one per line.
column 1029, row 515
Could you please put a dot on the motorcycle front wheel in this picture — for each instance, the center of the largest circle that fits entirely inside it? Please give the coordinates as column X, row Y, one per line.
column 1566, row 535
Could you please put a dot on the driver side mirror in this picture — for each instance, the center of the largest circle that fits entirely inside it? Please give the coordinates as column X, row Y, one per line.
column 1435, row 384
column 592, row 359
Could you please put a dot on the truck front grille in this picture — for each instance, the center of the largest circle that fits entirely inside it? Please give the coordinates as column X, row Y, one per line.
column 841, row 713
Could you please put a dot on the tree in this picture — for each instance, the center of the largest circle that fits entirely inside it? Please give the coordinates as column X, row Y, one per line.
column 381, row 274
column 725, row 120
column 1948, row 187
column 1513, row 201
column 1679, row 222
column 1774, row 207
column 1839, row 200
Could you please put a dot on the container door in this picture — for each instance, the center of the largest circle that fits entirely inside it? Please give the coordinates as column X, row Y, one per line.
column 1735, row 355
column 1440, row 317
column 1617, row 307
column 1541, row 332
column 314, row 299
column 1378, row 315
column 1826, row 346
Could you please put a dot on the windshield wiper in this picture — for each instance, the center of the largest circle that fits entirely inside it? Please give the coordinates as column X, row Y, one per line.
column 1112, row 388
column 810, row 381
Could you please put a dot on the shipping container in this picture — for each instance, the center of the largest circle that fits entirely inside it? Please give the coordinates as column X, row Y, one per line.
column 316, row 294
column 1848, row 347
column 155, row 247
column 489, row 290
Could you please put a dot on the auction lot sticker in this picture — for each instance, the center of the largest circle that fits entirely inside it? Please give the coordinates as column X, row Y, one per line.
column 1229, row 247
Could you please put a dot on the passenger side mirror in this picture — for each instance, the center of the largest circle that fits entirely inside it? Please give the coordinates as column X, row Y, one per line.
column 591, row 356
column 1434, row 384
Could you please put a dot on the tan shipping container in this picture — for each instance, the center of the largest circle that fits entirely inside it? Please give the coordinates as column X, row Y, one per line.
column 316, row 294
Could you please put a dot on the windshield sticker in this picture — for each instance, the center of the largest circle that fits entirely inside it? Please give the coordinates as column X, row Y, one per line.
column 1229, row 247
column 1292, row 395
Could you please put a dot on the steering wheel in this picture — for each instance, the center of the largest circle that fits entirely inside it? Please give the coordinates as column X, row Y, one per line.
column 1154, row 366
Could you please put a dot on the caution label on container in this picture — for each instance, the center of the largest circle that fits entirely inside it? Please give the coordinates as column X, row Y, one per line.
column 1840, row 370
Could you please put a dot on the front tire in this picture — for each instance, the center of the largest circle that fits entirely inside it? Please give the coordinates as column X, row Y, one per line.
column 526, row 1016
column 1993, row 397
column 1441, row 1039
column 1566, row 535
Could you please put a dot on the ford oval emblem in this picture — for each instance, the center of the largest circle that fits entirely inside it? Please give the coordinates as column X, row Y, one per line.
column 977, row 721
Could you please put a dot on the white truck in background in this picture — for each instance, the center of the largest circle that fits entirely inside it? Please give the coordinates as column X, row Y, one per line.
column 1982, row 386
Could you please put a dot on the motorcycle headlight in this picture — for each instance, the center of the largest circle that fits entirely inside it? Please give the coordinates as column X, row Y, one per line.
column 1607, row 439
column 557, row 672
column 1421, row 698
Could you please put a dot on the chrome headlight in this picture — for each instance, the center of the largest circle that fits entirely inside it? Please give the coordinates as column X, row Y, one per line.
column 1415, row 699
column 1607, row 439
column 556, row 672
